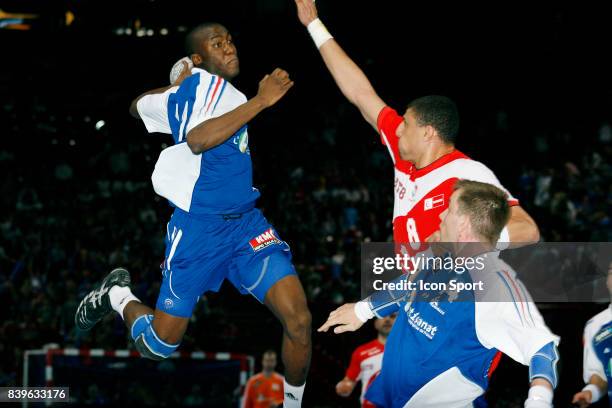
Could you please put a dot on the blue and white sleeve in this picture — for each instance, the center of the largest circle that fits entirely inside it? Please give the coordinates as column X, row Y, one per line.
column 384, row 302
column 153, row 110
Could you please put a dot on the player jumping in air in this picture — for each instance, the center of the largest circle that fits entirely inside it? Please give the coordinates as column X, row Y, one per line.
column 215, row 232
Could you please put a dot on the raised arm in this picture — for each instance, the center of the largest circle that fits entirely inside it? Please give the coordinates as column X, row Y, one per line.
column 215, row 131
column 348, row 76
column 184, row 73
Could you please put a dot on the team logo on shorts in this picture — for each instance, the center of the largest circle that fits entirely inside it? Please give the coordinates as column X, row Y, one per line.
column 168, row 303
column 264, row 240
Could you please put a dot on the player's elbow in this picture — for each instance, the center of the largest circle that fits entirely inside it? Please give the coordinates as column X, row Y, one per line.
column 533, row 234
column 134, row 108
column 196, row 145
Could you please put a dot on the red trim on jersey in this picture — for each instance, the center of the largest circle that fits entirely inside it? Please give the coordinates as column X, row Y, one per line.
column 494, row 363
column 361, row 353
column 436, row 164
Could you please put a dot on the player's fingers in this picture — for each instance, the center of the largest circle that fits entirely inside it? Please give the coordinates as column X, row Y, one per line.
column 342, row 328
column 329, row 323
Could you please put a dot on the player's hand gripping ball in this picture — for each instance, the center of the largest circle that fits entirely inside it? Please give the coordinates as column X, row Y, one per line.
column 178, row 67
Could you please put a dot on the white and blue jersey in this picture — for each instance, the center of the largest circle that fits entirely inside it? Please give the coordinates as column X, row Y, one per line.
column 441, row 348
column 215, row 233
column 217, row 181
column 598, row 348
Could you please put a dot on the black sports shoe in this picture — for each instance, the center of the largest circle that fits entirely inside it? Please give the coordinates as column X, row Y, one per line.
column 97, row 304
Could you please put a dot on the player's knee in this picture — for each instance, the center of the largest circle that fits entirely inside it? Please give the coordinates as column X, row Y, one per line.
column 147, row 341
column 298, row 325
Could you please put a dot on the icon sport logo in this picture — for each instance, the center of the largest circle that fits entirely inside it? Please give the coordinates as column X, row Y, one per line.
column 264, row 240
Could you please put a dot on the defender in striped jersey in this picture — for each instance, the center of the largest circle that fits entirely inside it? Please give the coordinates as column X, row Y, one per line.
column 215, row 232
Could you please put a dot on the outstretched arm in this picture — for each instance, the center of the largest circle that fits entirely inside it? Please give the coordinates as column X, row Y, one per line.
column 348, row 76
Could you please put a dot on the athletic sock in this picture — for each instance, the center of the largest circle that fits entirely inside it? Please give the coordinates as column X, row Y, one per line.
column 120, row 296
column 293, row 395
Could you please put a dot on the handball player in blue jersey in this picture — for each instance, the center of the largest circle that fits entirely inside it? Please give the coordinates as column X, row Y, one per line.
column 597, row 357
column 215, row 232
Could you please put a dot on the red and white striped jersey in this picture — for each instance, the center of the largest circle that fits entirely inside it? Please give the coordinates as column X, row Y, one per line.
column 421, row 195
column 365, row 365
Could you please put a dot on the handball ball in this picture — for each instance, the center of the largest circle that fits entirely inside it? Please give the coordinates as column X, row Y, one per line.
column 177, row 68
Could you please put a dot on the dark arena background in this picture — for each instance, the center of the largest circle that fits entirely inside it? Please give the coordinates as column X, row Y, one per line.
column 534, row 91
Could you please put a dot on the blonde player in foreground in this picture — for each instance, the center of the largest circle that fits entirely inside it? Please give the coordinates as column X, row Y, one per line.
column 439, row 353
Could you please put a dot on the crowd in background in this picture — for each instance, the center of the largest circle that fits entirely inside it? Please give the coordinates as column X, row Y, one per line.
column 77, row 202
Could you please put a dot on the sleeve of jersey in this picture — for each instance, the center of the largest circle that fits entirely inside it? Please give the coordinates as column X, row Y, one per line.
column 153, row 110
column 354, row 368
column 515, row 328
column 384, row 302
column 212, row 100
column 247, row 399
column 591, row 364
column 479, row 172
column 387, row 123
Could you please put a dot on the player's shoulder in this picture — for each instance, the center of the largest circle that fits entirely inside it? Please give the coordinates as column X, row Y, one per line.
column 369, row 348
column 277, row 377
column 213, row 84
column 255, row 377
column 598, row 320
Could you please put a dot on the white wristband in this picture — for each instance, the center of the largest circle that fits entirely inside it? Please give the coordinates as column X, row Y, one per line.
column 363, row 311
column 504, row 240
column 595, row 393
column 539, row 395
column 318, row 32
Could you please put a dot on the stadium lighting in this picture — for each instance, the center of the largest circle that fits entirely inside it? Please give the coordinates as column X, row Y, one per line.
column 100, row 124
column 163, row 31
column 150, row 32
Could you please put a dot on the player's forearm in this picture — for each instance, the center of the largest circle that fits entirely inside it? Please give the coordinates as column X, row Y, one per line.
column 134, row 104
column 351, row 80
column 600, row 383
column 522, row 229
column 213, row 132
column 382, row 303
column 348, row 76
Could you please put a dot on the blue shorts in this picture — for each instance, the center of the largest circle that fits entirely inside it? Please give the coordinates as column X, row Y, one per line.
column 203, row 250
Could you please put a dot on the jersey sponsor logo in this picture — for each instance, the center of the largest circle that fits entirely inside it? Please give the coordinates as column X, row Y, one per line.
column 433, row 202
column 436, row 306
column 275, row 387
column 421, row 325
column 290, row 396
column 264, row 240
column 241, row 139
column 604, row 334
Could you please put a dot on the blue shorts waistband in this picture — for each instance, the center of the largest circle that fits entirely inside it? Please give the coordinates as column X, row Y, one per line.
column 230, row 215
